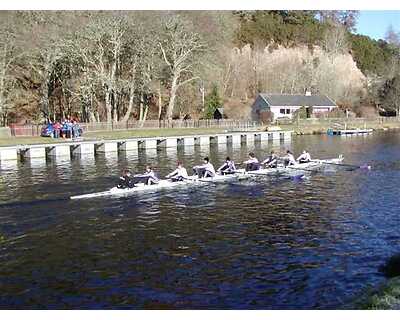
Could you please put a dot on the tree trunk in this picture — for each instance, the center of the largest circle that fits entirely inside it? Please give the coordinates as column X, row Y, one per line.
column 115, row 112
column 108, row 106
column 141, row 107
column 174, row 89
column 144, row 116
column 130, row 107
column 92, row 117
column 159, row 103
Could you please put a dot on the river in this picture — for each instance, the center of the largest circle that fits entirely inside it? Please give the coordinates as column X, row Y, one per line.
column 262, row 243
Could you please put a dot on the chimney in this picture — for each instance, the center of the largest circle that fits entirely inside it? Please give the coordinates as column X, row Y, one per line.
column 308, row 93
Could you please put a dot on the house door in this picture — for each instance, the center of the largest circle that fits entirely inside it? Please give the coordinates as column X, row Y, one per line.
column 308, row 112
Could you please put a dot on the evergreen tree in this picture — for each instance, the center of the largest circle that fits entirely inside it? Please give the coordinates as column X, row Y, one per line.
column 213, row 101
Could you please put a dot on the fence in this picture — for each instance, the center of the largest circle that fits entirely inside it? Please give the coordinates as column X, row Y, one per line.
column 35, row 130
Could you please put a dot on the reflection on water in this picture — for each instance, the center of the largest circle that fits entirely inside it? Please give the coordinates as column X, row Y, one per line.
column 262, row 243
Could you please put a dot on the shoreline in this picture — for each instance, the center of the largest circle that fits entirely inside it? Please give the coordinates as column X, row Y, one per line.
column 112, row 135
column 322, row 129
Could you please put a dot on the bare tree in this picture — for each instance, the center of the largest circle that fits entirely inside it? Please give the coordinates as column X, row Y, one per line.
column 179, row 49
column 7, row 82
column 392, row 37
column 335, row 40
column 100, row 48
column 347, row 18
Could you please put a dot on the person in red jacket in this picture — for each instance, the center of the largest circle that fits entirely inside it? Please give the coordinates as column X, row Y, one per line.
column 57, row 129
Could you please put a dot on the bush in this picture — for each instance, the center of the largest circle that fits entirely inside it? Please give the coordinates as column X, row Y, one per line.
column 392, row 267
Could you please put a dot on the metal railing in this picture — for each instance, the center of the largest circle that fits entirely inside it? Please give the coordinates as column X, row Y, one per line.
column 35, row 130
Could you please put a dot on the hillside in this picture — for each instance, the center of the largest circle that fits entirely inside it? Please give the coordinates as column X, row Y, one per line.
column 116, row 66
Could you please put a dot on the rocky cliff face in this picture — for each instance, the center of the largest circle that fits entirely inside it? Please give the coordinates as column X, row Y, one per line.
column 277, row 69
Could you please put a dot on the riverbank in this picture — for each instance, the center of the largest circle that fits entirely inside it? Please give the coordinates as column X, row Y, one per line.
column 320, row 126
column 117, row 134
column 322, row 129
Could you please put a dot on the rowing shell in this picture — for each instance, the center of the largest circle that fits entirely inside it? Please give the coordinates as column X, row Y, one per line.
column 162, row 184
column 240, row 174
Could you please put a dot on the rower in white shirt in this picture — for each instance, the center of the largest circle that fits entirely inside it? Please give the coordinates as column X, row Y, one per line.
column 228, row 167
column 205, row 170
column 149, row 177
column 289, row 159
column 304, row 157
column 252, row 164
column 179, row 174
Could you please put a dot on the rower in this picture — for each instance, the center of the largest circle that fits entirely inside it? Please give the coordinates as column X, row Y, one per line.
column 148, row 177
column 252, row 164
column 228, row 167
column 205, row 170
column 289, row 159
column 179, row 174
column 304, row 157
column 271, row 161
column 125, row 181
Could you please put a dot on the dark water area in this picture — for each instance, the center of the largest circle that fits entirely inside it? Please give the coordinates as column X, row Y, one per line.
column 262, row 243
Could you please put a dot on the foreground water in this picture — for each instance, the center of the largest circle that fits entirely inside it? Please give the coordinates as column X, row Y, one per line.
column 258, row 244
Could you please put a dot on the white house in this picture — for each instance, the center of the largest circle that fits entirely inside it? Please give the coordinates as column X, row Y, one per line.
column 274, row 106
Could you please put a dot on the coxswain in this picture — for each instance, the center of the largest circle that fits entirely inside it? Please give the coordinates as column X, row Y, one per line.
column 289, row 159
column 179, row 174
column 228, row 167
column 271, row 161
column 205, row 170
column 125, row 181
column 304, row 157
column 148, row 177
column 252, row 163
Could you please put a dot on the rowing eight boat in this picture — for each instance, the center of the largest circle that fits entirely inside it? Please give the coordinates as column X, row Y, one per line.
column 241, row 173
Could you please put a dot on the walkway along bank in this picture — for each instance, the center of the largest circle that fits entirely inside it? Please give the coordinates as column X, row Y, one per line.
column 65, row 150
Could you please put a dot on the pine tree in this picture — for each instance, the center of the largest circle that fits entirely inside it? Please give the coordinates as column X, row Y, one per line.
column 213, row 101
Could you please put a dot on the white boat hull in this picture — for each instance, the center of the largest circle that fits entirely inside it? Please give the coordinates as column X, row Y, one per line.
column 165, row 184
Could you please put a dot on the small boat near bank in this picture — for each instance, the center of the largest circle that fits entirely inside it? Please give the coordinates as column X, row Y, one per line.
column 293, row 170
column 340, row 132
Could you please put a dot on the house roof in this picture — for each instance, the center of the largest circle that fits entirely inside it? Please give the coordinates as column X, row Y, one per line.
column 297, row 100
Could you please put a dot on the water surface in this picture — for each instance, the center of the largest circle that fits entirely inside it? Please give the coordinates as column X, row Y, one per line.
column 264, row 243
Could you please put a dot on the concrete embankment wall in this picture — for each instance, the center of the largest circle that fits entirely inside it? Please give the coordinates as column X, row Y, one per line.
column 67, row 149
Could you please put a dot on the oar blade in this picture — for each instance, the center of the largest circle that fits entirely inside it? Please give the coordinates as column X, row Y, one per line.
column 298, row 177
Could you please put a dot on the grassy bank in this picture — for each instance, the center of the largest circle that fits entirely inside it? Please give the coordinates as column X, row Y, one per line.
column 109, row 135
column 385, row 297
column 321, row 128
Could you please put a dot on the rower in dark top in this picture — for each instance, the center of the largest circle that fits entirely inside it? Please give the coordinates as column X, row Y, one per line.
column 252, row 164
column 205, row 170
column 125, row 181
column 271, row 161
column 179, row 174
column 228, row 167
column 148, row 177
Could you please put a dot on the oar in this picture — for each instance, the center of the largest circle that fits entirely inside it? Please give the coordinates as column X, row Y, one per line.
column 353, row 166
column 309, row 170
column 200, row 180
column 296, row 177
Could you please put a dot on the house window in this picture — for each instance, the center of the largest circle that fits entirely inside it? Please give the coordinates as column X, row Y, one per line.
column 287, row 111
column 282, row 111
